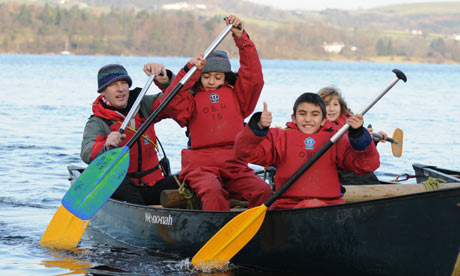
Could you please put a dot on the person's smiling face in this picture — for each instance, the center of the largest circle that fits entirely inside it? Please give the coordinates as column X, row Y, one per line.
column 308, row 118
column 333, row 108
column 117, row 93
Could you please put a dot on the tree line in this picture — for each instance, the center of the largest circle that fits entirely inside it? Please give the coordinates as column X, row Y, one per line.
column 45, row 29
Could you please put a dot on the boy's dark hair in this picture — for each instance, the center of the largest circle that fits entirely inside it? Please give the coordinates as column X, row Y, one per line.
column 313, row 98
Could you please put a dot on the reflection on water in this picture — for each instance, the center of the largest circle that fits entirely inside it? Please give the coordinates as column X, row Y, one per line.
column 74, row 267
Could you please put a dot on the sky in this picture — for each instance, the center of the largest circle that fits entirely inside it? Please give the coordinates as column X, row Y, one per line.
column 337, row 4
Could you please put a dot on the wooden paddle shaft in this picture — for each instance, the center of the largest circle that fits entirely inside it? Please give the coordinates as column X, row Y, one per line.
column 367, row 192
column 174, row 199
column 354, row 193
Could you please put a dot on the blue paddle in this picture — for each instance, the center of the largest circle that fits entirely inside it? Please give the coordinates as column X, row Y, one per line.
column 65, row 229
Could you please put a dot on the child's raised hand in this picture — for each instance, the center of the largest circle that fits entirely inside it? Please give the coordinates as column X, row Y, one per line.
column 356, row 121
column 266, row 117
column 235, row 21
column 198, row 61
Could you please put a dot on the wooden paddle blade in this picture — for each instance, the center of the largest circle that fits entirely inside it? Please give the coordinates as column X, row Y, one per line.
column 97, row 183
column 397, row 146
column 64, row 231
column 218, row 251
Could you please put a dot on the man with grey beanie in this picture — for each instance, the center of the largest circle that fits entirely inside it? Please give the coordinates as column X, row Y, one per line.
column 213, row 105
column 145, row 178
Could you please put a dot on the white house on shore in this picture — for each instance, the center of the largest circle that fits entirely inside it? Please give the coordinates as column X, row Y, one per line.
column 183, row 6
column 334, row 47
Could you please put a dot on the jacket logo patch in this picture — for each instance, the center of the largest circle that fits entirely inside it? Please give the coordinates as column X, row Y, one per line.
column 309, row 143
column 146, row 142
column 214, row 98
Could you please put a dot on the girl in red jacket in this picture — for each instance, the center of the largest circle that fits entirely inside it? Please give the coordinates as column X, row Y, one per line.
column 288, row 149
column 212, row 105
column 337, row 112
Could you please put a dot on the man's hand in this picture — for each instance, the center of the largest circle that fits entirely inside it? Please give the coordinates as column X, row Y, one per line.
column 114, row 140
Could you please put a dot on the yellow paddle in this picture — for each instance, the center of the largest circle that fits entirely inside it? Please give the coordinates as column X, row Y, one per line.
column 397, row 146
column 396, row 141
column 229, row 240
column 64, row 231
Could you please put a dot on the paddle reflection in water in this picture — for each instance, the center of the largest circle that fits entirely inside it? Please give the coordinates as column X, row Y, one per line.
column 75, row 267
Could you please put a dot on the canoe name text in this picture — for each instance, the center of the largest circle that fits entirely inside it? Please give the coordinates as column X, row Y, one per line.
column 165, row 220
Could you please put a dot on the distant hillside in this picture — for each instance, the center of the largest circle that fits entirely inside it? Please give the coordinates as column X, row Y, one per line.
column 416, row 33
column 439, row 17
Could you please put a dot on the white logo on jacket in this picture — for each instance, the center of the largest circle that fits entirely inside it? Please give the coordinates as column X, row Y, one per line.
column 309, row 143
column 214, row 98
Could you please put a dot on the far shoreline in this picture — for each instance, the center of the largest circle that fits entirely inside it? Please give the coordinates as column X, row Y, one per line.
column 377, row 59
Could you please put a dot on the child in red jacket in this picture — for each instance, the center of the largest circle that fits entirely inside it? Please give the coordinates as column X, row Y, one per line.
column 212, row 105
column 337, row 112
column 288, row 149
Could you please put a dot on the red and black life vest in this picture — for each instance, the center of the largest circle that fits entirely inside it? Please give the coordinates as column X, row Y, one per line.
column 217, row 118
column 143, row 164
column 321, row 179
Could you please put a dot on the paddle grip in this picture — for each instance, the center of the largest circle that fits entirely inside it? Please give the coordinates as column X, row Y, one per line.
column 239, row 26
column 378, row 136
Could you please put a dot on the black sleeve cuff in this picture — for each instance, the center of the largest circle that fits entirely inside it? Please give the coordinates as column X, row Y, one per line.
column 254, row 126
column 186, row 69
column 169, row 74
column 355, row 133
column 359, row 142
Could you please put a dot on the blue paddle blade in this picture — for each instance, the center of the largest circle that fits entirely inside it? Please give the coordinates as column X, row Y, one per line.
column 97, row 183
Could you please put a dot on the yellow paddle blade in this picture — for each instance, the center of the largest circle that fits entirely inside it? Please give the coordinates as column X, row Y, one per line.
column 64, row 231
column 218, row 251
column 397, row 146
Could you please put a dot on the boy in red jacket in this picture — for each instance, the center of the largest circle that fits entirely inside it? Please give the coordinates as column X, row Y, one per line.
column 288, row 149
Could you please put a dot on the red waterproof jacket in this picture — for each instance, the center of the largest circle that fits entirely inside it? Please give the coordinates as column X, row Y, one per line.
column 289, row 149
column 215, row 117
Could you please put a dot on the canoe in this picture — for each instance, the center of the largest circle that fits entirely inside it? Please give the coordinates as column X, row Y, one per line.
column 412, row 234
column 423, row 172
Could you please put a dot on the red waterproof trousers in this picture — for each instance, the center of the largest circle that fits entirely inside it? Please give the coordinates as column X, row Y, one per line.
column 216, row 175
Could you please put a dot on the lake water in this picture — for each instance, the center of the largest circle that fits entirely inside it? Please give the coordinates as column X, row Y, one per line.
column 46, row 100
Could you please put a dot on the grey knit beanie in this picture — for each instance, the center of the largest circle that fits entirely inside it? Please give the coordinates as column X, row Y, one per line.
column 217, row 61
